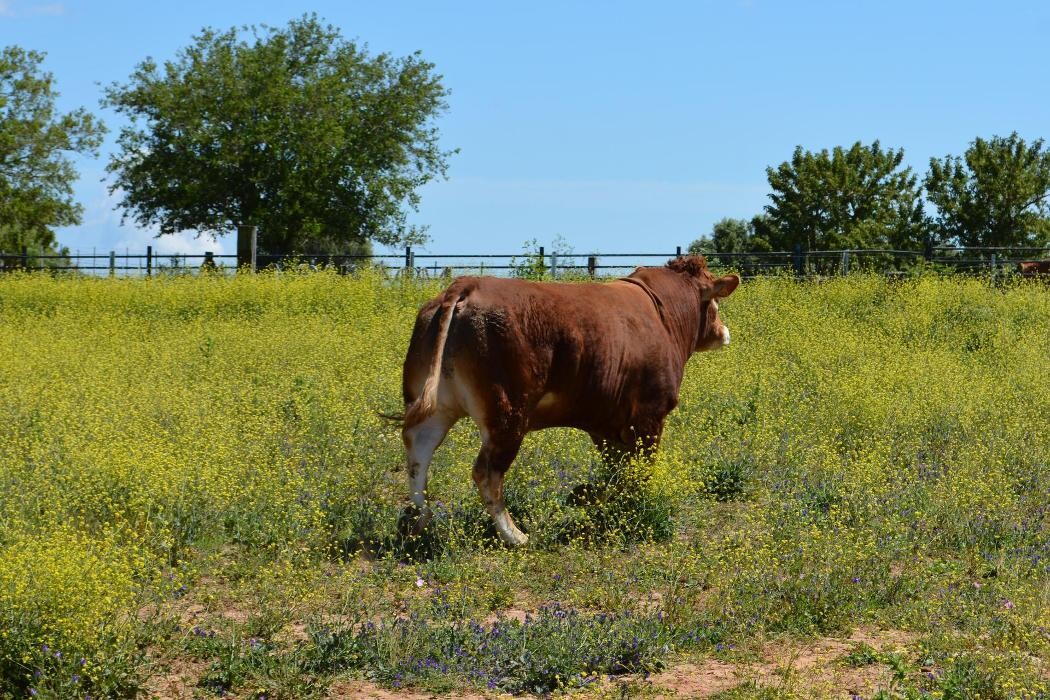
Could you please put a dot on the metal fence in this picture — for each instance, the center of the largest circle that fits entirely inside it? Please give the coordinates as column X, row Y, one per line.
column 799, row 263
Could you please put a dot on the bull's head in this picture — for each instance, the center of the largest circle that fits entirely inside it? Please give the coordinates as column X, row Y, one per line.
column 713, row 333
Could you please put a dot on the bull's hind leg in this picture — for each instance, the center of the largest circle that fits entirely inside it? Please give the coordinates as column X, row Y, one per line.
column 421, row 440
column 498, row 450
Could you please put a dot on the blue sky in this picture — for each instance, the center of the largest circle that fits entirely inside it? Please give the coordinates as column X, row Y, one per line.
column 620, row 127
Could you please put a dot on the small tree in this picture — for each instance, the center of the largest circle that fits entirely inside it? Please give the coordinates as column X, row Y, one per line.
column 702, row 246
column 36, row 176
column 995, row 195
column 730, row 236
column 534, row 266
column 296, row 131
column 855, row 198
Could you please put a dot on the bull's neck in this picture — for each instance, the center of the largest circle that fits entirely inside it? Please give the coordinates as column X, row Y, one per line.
column 679, row 306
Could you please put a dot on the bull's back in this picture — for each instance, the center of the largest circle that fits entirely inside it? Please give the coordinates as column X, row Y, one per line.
column 576, row 355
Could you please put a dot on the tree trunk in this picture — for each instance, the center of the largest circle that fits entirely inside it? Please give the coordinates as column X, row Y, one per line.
column 247, row 247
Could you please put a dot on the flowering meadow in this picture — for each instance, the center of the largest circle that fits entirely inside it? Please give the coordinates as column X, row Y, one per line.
column 198, row 498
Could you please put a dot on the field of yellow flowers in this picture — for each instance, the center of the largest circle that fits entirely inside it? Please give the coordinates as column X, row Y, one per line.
column 198, row 498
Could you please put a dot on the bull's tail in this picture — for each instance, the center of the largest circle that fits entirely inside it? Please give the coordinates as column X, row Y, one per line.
column 426, row 403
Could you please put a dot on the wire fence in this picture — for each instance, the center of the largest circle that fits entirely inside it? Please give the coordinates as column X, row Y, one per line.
column 798, row 263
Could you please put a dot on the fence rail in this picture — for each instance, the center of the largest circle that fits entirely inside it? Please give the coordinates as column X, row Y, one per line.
column 797, row 262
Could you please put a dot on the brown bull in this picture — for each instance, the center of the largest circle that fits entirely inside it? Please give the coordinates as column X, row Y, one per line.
column 519, row 356
column 1034, row 268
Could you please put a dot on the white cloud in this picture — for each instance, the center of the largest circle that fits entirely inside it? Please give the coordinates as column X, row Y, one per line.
column 52, row 9
column 55, row 9
column 183, row 243
column 102, row 231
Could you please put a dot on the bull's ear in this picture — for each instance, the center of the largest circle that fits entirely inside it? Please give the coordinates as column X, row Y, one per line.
column 723, row 287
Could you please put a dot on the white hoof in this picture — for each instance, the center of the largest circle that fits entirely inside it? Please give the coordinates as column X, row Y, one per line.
column 515, row 539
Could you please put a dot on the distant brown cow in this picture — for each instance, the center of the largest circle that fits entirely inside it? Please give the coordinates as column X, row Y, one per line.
column 519, row 356
column 1033, row 268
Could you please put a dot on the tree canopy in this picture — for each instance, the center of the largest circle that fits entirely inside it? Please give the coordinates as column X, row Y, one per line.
column 995, row 195
column 36, row 175
column 859, row 197
column 294, row 130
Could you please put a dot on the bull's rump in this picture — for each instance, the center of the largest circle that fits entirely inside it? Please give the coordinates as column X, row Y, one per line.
column 550, row 354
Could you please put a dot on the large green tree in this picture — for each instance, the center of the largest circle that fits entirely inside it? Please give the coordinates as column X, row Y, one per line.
column 36, row 173
column 995, row 195
column 294, row 130
column 859, row 197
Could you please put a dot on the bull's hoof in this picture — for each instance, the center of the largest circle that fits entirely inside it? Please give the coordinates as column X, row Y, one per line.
column 414, row 520
column 516, row 541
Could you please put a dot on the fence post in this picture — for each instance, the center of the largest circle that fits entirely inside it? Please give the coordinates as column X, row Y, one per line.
column 678, row 251
column 927, row 249
column 797, row 256
column 149, row 261
column 592, row 264
column 25, row 258
column 554, row 265
column 112, row 263
column 845, row 263
column 993, row 268
column 248, row 247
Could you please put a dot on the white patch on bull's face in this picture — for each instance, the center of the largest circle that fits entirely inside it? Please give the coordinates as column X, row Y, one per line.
column 722, row 331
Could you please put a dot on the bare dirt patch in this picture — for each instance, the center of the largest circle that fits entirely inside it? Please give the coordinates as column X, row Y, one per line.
column 701, row 680
column 817, row 665
column 517, row 614
column 177, row 681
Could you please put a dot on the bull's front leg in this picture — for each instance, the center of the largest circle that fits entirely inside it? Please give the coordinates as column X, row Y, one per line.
column 618, row 447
